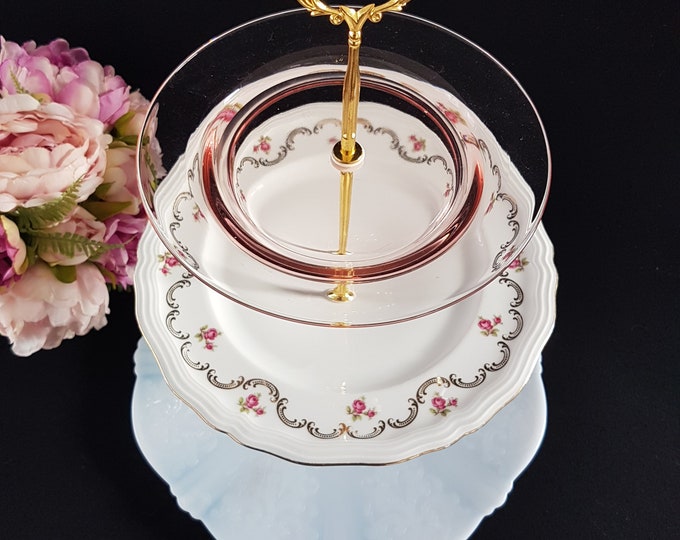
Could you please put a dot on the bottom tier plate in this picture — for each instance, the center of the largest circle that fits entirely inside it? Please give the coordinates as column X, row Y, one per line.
column 237, row 492
column 329, row 396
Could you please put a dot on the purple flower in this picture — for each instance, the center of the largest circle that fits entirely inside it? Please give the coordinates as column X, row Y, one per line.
column 120, row 262
column 55, row 72
column 13, row 261
column 58, row 52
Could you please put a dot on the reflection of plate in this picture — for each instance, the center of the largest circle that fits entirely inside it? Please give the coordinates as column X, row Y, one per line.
column 227, row 486
column 346, row 395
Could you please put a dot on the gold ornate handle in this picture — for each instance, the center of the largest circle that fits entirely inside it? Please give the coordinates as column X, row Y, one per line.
column 355, row 20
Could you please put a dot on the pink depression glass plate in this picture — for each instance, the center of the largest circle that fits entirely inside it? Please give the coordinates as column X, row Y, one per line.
column 454, row 183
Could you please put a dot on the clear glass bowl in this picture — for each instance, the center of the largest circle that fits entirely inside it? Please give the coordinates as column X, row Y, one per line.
column 454, row 183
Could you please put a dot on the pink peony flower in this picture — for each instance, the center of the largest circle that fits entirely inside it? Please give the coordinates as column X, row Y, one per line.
column 39, row 311
column 44, row 150
column 131, row 124
column 71, row 214
column 120, row 178
column 22, row 73
column 68, row 76
column 58, row 52
column 13, row 261
column 120, row 262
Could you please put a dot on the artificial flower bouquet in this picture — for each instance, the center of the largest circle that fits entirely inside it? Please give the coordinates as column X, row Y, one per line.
column 70, row 210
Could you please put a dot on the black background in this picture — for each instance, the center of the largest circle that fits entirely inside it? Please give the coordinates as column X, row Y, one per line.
column 603, row 76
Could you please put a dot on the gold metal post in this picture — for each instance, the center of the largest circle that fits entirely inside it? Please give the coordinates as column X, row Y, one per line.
column 347, row 153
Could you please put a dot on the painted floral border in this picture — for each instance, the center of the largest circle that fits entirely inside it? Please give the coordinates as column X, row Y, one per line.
column 414, row 154
column 428, row 394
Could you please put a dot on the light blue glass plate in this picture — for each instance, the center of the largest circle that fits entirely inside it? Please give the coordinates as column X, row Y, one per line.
column 238, row 492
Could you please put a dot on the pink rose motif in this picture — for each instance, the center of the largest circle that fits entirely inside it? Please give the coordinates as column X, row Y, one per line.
column 488, row 326
column 263, row 145
column 439, row 403
column 13, row 261
column 251, row 403
column 228, row 113
column 197, row 214
column 208, row 336
column 168, row 263
column 358, row 406
column 453, row 116
column 441, row 406
column 418, row 144
column 358, row 409
column 485, row 324
column 518, row 264
column 39, row 311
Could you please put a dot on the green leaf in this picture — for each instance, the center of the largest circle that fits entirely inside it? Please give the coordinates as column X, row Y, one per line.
column 50, row 213
column 148, row 161
column 65, row 274
column 18, row 88
column 68, row 244
column 103, row 209
column 102, row 190
column 124, row 119
column 127, row 140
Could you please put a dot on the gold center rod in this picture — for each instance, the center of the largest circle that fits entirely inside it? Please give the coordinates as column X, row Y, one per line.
column 350, row 98
column 347, row 154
